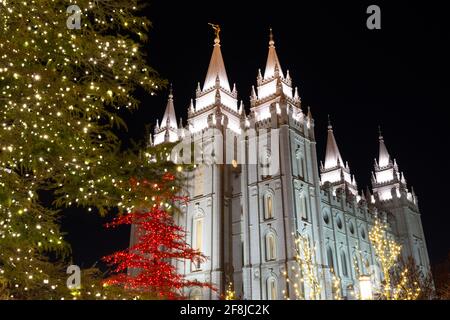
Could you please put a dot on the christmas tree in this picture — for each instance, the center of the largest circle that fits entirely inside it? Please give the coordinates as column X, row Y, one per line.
column 147, row 266
column 65, row 73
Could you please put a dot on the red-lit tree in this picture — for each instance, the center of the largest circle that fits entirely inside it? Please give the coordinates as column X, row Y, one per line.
column 159, row 243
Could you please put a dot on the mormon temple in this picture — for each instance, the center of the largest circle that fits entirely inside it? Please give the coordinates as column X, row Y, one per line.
column 245, row 218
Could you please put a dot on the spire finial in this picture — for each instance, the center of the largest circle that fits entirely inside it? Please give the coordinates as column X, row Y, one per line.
column 380, row 134
column 271, row 41
column 330, row 127
column 241, row 107
column 170, row 91
column 216, row 29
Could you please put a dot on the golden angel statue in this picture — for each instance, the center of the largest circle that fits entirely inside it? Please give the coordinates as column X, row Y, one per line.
column 216, row 28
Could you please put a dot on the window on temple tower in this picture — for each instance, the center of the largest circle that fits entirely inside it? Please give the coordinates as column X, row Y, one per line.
column 351, row 228
column 265, row 159
column 302, row 166
column 363, row 233
column 268, row 206
column 235, row 160
column 344, row 264
column 303, row 208
column 198, row 238
column 326, row 217
column 300, row 162
column 339, row 223
column 270, row 247
column 272, row 293
column 330, row 260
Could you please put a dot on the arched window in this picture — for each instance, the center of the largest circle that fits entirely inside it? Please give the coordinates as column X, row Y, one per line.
column 330, row 260
column 300, row 162
column 351, row 228
column 344, row 264
column 326, row 217
column 271, row 253
column 339, row 223
column 197, row 240
column 236, row 155
column 268, row 205
column 265, row 159
column 303, row 207
column 196, row 294
column 363, row 233
column 272, row 291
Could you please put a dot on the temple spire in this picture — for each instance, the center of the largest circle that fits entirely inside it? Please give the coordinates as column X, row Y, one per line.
column 387, row 175
column 241, row 108
column 384, row 157
column 309, row 113
column 216, row 69
column 333, row 156
column 335, row 171
column 169, row 119
column 272, row 60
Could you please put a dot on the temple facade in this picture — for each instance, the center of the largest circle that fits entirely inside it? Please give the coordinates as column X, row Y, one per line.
column 266, row 186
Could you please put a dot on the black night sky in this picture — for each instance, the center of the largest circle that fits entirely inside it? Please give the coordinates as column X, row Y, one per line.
column 393, row 77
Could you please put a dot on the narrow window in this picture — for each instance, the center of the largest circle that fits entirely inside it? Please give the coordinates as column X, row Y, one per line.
column 344, row 264
column 198, row 239
column 270, row 247
column 268, row 204
column 330, row 258
column 303, row 208
column 272, row 293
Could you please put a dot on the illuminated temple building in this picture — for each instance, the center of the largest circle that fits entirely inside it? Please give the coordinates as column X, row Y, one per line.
column 244, row 219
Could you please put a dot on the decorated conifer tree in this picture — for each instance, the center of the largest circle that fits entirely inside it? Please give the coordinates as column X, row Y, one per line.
column 61, row 88
column 147, row 266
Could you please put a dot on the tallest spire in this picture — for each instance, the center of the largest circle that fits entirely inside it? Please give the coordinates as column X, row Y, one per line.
column 216, row 69
column 272, row 59
column 383, row 158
